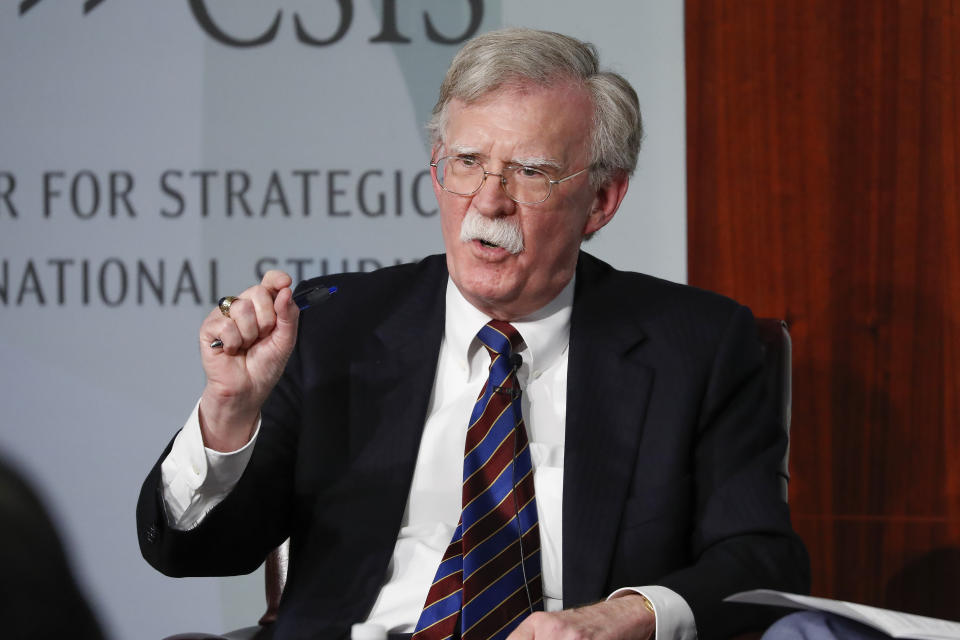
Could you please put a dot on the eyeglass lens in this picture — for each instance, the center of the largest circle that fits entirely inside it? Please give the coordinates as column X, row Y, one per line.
column 464, row 176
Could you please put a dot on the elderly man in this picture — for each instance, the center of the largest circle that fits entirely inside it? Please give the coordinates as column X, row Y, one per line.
column 616, row 477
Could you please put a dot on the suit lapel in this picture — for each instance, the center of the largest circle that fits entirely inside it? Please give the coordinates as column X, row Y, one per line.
column 607, row 392
column 392, row 377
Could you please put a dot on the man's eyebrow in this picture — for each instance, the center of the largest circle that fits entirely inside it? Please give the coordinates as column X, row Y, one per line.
column 463, row 150
column 539, row 162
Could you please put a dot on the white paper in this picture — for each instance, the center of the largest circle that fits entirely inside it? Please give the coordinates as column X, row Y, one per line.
column 893, row 623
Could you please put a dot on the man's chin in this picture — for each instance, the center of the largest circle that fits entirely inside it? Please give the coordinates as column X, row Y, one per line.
column 488, row 297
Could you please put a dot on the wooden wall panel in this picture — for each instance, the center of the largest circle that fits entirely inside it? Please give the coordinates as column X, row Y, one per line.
column 823, row 172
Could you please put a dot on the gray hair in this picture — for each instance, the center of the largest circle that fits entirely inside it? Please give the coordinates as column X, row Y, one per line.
column 513, row 57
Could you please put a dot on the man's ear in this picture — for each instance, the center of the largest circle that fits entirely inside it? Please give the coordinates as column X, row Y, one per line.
column 606, row 202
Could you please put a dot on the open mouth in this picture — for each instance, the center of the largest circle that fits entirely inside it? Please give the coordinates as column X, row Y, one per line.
column 489, row 244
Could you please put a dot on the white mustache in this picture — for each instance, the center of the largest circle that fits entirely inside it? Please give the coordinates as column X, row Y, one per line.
column 503, row 232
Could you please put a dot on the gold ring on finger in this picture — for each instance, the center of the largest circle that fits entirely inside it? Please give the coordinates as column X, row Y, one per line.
column 224, row 304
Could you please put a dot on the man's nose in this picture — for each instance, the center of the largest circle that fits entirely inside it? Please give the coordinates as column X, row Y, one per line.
column 491, row 199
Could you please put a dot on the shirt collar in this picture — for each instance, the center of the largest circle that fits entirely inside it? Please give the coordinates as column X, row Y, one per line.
column 546, row 331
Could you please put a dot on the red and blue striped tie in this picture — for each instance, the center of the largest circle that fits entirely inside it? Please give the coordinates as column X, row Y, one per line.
column 489, row 578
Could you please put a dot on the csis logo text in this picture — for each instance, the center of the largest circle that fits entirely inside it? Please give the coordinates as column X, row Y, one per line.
column 320, row 35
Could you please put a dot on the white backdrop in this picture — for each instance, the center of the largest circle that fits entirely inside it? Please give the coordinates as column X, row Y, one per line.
column 125, row 128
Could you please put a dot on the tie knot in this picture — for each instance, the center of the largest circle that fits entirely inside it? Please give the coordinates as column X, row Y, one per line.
column 500, row 337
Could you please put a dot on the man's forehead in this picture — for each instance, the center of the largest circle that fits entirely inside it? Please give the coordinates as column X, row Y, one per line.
column 524, row 127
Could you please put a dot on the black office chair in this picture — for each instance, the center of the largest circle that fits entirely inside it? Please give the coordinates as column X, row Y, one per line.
column 274, row 577
column 777, row 347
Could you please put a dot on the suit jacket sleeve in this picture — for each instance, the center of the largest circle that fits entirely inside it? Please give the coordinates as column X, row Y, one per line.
column 254, row 518
column 673, row 451
column 334, row 458
column 741, row 537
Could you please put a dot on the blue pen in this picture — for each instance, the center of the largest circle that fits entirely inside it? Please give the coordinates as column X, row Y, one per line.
column 304, row 300
column 313, row 296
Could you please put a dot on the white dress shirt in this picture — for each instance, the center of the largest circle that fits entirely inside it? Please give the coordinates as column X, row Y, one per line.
column 195, row 479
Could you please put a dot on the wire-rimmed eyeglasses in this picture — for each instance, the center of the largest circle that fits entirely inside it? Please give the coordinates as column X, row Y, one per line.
column 464, row 176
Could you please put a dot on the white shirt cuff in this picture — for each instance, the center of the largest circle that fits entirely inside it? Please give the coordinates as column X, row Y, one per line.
column 674, row 616
column 194, row 478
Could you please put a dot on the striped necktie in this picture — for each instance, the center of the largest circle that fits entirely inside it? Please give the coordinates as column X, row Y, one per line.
column 482, row 589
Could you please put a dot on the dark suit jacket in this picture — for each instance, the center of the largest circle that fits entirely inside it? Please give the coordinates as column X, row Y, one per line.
column 671, row 452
